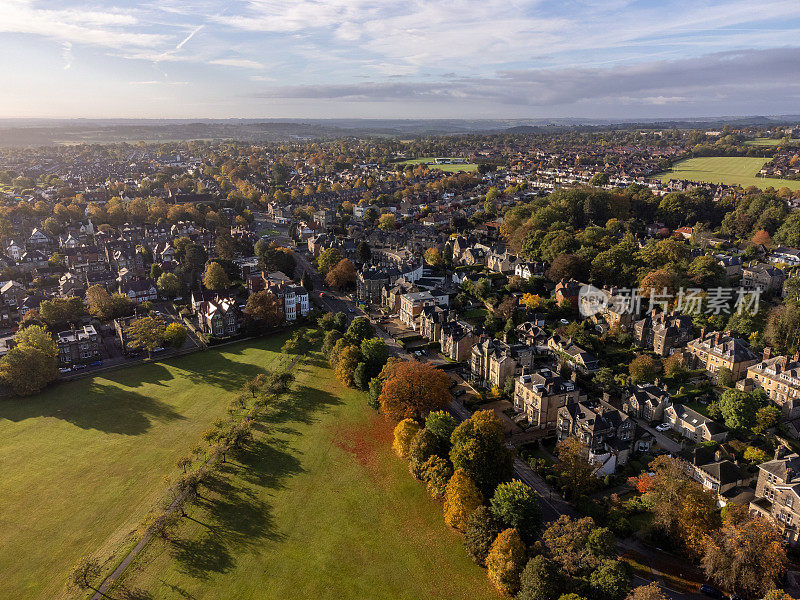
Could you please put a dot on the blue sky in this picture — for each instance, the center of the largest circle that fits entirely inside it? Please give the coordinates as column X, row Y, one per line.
column 398, row 59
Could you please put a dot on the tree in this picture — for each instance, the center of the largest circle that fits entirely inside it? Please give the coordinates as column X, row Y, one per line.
column 644, row 369
column 651, row 591
column 505, row 561
column 739, row 408
column 146, row 333
column 342, row 275
column 681, row 508
column 783, row 329
column 461, row 498
column 762, row 237
column 340, row 321
column 436, row 473
column 307, row 282
column 360, row 378
column 215, row 277
column 675, row 366
column 156, row 271
column 169, row 285
column 424, row 445
column 32, row 363
column 478, row 448
column 433, row 257
column 360, row 329
column 746, row 554
column 363, row 252
column 777, row 594
column 568, row 266
column 374, row 353
column 374, row 393
column 611, row 580
column 516, row 506
column 404, row 433
column 265, row 308
column 576, row 473
column 531, row 301
column 541, row 580
column 725, row 377
column 442, row 424
column 83, row 573
column 482, row 528
column 328, row 259
column 766, row 417
column 386, row 222
column 61, row 311
column 346, row 364
column 412, row 389
column 567, row 542
column 100, row 302
column 175, row 335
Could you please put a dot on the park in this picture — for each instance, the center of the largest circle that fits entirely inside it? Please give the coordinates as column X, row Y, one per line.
column 317, row 506
column 728, row 170
column 447, row 167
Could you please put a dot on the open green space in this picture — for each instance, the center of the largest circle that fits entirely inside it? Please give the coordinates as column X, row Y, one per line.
column 318, row 507
column 766, row 142
column 83, row 463
column 464, row 167
column 729, row 170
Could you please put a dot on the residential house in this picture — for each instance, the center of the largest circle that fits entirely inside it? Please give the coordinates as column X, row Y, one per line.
column 692, row 425
column 779, row 377
column 293, row 298
column 763, row 277
column 492, row 361
column 411, row 305
column 219, row 316
column 78, row 346
column 139, row 290
column 541, row 394
column 647, row 402
column 577, row 357
column 568, row 290
column 717, row 350
column 457, row 339
column 663, row 332
column 777, row 495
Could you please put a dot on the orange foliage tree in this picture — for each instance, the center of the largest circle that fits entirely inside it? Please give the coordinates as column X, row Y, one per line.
column 411, row 390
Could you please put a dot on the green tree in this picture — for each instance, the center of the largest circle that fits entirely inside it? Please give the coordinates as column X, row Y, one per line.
column 215, row 277
column 481, row 530
column 374, row 353
column 766, row 417
column 739, row 408
column 541, row 580
column 360, row 329
column 169, row 285
column 644, row 369
column 156, row 271
column 374, row 393
column 328, row 259
column 611, row 580
column 146, row 333
column 516, row 506
column 478, row 448
column 424, row 445
column 442, row 424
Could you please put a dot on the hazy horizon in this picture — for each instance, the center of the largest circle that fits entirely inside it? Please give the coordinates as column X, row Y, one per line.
column 260, row 59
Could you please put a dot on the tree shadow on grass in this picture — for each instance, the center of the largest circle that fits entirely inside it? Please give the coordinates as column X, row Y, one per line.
column 93, row 405
column 203, row 556
column 300, row 405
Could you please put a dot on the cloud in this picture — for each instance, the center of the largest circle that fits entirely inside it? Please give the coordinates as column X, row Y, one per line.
column 241, row 63
column 741, row 75
column 66, row 54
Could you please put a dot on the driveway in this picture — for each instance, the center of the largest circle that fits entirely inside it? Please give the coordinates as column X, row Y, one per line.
column 664, row 441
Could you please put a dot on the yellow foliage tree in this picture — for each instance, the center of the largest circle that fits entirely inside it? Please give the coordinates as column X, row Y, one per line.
column 461, row 498
column 532, row 301
column 403, row 436
column 506, row 560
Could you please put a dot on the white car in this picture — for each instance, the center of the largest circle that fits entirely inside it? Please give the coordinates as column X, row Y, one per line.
column 564, row 322
column 663, row 427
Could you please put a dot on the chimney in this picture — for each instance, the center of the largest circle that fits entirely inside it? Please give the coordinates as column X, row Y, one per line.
column 574, row 376
column 780, row 452
column 717, row 338
column 767, row 353
column 796, row 357
column 702, row 333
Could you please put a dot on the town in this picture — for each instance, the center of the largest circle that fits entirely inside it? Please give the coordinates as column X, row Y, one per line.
column 620, row 346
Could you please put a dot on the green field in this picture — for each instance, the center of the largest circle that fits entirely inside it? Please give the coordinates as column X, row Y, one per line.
column 465, row 167
column 766, row 142
column 318, row 508
column 727, row 170
column 83, row 463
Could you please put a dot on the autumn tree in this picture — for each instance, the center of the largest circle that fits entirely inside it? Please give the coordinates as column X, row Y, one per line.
column 651, row 591
column 478, row 448
column 175, row 335
column 328, row 259
column 644, row 369
column 516, row 506
column 387, row 222
column 506, row 560
column 576, row 473
column 83, row 574
column 404, row 433
column 577, row 545
column 342, row 275
column 215, row 277
column 746, row 554
column 169, row 285
column 433, row 257
column 32, row 363
column 436, row 473
column 424, row 445
column 346, row 364
column 461, row 498
column 762, row 237
column 412, row 389
column 482, row 528
column 680, row 506
column 265, row 309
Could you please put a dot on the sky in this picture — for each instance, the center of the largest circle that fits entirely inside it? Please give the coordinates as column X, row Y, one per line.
column 399, row 59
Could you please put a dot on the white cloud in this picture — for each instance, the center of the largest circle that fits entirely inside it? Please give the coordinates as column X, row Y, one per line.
column 66, row 54
column 241, row 63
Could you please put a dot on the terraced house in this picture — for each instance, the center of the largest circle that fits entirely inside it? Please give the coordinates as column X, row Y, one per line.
column 779, row 377
column 717, row 350
column 778, row 494
column 493, row 361
column 663, row 332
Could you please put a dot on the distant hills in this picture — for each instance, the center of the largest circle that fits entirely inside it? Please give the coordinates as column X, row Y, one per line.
column 36, row 132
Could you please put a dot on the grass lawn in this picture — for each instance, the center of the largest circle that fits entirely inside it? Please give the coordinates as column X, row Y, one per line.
column 765, row 142
column 736, row 170
column 449, row 168
column 317, row 508
column 84, row 462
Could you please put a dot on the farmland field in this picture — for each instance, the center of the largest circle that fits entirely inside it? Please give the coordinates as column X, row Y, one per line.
column 449, row 168
column 83, row 463
column 726, row 170
column 765, row 142
column 318, row 508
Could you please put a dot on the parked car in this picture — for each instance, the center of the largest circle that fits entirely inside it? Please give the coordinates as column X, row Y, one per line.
column 78, row 367
column 564, row 322
column 64, row 370
column 96, row 363
column 663, row 427
column 711, row 591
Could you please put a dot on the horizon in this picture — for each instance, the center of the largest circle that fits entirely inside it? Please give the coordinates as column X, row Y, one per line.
column 256, row 60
